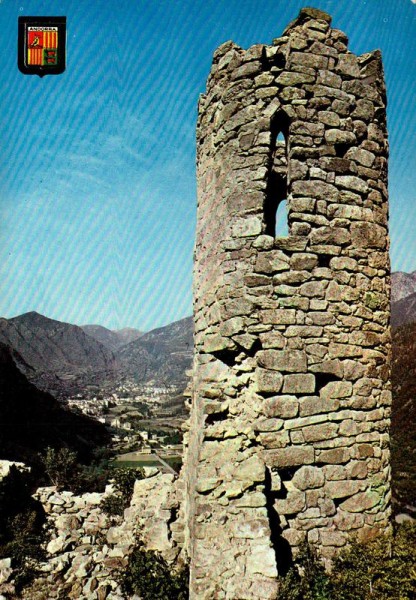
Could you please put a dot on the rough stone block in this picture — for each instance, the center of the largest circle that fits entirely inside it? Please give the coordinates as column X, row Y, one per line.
column 336, row 389
column 361, row 502
column 294, row 502
column 289, row 457
column 338, row 136
column 334, row 456
column 308, row 477
column 329, row 78
column 293, row 536
column 282, row 316
column 343, row 263
column 309, row 60
column 251, row 529
column 342, row 489
column 348, row 65
column 314, row 289
column 314, row 405
column 299, row 205
column 293, row 79
column 304, row 331
column 299, row 384
column 279, row 439
column 217, row 343
column 206, row 484
column 364, row 157
column 332, row 538
column 272, row 339
column 368, row 235
column 252, row 469
column 347, row 521
column 284, row 407
column 303, row 260
column 333, row 472
column 323, row 431
column 329, row 117
column 321, row 318
column 315, row 189
column 268, row 424
column 330, row 235
column 269, row 382
column 247, row 227
column 291, row 361
column 262, row 560
column 350, row 182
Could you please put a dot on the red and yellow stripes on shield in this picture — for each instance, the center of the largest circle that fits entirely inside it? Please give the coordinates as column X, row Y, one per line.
column 37, row 41
column 50, row 39
column 35, row 56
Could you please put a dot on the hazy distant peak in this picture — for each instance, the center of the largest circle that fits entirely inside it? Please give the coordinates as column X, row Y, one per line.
column 112, row 338
column 403, row 310
column 106, row 337
column 128, row 330
column 128, row 334
column 403, row 284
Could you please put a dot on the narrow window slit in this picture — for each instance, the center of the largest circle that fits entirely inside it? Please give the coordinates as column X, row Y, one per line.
column 282, row 225
column 275, row 206
column 275, row 209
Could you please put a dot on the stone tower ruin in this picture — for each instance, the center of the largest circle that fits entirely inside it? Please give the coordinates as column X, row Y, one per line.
column 288, row 436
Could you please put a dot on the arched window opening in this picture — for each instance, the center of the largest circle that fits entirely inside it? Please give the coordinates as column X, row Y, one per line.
column 280, row 138
column 275, row 206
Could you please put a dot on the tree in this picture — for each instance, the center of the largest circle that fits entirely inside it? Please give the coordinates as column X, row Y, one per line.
column 60, row 465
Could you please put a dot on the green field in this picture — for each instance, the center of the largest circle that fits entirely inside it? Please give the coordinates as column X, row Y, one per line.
column 136, row 463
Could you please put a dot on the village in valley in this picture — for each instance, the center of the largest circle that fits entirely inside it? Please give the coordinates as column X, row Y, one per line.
column 145, row 421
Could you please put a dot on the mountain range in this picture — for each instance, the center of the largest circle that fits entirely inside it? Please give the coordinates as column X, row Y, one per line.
column 63, row 359
column 57, row 357
column 162, row 355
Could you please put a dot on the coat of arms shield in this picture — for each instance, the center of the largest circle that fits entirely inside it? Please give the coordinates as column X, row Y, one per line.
column 42, row 45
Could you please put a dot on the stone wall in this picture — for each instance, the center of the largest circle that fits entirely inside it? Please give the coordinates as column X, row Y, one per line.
column 86, row 550
column 288, row 434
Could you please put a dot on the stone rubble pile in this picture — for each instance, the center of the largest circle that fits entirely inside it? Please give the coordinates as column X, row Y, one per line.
column 86, row 549
column 289, row 429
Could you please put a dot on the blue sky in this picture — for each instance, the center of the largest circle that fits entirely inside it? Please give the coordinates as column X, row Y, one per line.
column 97, row 188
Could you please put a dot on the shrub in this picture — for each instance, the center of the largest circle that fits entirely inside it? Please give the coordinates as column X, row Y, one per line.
column 63, row 470
column 307, row 580
column 382, row 569
column 60, row 466
column 149, row 575
column 113, row 505
column 21, row 522
column 123, row 480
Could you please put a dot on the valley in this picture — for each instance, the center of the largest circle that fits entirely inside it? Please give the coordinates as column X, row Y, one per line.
column 132, row 384
column 145, row 421
column 128, row 385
